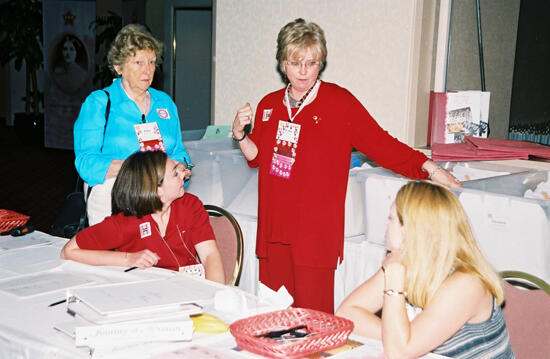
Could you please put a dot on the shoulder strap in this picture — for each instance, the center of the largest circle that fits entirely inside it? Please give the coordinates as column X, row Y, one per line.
column 107, row 111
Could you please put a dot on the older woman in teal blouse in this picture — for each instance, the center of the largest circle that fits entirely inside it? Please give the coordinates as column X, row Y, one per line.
column 135, row 109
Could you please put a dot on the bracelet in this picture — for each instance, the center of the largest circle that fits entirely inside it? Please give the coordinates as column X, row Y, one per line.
column 238, row 139
column 432, row 172
column 394, row 293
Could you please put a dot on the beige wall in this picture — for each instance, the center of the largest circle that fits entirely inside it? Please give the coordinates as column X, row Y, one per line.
column 373, row 50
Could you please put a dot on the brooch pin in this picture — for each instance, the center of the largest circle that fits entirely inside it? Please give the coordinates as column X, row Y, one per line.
column 317, row 119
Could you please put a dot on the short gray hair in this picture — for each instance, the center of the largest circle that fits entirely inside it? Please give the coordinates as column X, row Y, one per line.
column 128, row 41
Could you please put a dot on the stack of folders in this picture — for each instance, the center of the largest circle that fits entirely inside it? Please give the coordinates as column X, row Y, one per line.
column 124, row 313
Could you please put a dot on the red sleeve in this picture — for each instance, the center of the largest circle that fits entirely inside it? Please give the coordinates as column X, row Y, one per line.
column 256, row 134
column 102, row 236
column 375, row 142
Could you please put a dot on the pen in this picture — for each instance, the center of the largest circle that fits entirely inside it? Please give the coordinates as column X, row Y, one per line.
column 129, row 269
column 58, row 302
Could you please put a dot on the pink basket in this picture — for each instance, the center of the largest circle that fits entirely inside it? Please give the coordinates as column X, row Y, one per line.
column 328, row 332
column 10, row 219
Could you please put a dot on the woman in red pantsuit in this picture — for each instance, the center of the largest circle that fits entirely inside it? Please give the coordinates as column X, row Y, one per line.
column 302, row 141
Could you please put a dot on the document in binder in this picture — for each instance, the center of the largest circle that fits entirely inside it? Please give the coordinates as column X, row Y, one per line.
column 454, row 115
column 112, row 302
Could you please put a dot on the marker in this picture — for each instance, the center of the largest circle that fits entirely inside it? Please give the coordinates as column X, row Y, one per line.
column 129, row 269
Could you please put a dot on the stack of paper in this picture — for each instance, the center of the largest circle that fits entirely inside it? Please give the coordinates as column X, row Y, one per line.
column 475, row 149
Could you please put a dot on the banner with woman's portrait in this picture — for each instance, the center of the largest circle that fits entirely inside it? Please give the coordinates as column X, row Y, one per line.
column 69, row 48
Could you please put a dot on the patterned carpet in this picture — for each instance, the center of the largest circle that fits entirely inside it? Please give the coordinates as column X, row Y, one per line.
column 33, row 180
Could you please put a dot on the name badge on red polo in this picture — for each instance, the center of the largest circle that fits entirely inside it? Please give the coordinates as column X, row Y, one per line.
column 145, row 229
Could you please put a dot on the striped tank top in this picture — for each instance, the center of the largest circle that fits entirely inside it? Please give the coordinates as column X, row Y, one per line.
column 485, row 340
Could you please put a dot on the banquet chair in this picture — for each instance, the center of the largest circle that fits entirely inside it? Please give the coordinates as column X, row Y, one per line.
column 229, row 239
column 527, row 313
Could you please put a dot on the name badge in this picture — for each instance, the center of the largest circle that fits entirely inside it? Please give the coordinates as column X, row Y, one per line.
column 194, row 270
column 145, row 229
column 267, row 114
column 284, row 151
column 149, row 137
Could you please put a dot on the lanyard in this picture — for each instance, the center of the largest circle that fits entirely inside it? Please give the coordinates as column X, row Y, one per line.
column 306, row 101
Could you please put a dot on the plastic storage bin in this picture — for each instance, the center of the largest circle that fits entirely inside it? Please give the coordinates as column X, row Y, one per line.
column 380, row 187
column 211, row 145
column 220, row 171
column 512, row 231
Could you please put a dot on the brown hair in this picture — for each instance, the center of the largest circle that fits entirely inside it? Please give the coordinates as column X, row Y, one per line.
column 135, row 189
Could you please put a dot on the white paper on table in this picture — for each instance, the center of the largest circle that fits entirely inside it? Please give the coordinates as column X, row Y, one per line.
column 28, row 240
column 152, row 295
column 198, row 352
column 281, row 299
column 30, row 259
column 41, row 283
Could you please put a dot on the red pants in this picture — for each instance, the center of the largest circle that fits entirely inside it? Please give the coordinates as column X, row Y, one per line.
column 310, row 287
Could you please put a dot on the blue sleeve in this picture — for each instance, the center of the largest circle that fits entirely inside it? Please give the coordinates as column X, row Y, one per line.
column 178, row 151
column 88, row 129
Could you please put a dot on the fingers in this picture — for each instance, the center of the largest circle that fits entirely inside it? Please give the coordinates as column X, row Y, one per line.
column 243, row 117
column 187, row 174
column 145, row 259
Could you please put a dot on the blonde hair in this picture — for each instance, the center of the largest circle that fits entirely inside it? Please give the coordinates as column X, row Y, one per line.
column 438, row 240
column 296, row 37
column 128, row 41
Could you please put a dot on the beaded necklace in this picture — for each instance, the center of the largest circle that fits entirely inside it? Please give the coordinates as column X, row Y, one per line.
column 301, row 101
column 304, row 99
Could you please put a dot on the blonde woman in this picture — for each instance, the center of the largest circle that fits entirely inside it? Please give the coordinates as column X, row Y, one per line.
column 435, row 289
column 301, row 143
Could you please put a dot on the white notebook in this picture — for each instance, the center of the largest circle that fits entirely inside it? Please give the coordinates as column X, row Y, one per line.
column 146, row 296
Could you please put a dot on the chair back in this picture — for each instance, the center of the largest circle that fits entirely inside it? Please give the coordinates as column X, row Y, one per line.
column 229, row 239
column 527, row 314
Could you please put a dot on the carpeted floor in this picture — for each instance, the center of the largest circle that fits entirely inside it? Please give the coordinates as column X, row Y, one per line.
column 33, row 180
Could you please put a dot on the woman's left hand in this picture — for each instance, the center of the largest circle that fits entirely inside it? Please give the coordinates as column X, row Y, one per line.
column 440, row 175
column 392, row 258
column 186, row 171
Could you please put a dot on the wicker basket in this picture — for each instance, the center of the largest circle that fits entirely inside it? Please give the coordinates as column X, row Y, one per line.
column 329, row 332
column 10, row 219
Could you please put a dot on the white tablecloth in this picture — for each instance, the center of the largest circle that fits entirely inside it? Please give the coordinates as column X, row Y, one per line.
column 27, row 324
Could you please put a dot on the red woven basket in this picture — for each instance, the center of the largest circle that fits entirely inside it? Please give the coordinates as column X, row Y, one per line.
column 10, row 219
column 329, row 332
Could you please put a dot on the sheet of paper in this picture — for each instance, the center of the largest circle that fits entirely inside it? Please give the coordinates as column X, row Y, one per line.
column 28, row 240
column 41, row 283
column 30, row 260
column 122, row 298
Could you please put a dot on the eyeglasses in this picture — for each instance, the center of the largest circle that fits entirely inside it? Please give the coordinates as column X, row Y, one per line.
column 296, row 65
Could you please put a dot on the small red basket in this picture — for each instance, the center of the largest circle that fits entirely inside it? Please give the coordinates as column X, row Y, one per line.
column 326, row 332
column 10, row 219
